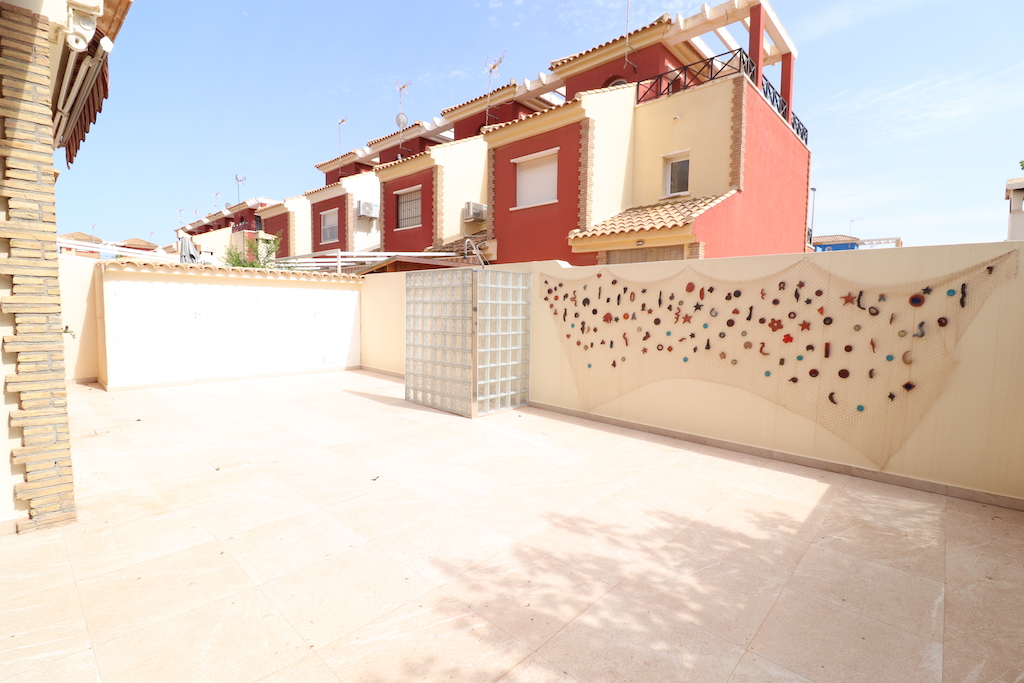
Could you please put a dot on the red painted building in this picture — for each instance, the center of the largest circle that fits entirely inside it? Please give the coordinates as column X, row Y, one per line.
column 647, row 147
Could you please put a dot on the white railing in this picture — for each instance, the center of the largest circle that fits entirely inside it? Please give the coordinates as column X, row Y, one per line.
column 338, row 260
column 109, row 251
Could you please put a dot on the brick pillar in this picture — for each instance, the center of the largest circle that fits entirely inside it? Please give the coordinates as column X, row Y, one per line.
column 787, row 83
column 757, row 41
column 28, row 219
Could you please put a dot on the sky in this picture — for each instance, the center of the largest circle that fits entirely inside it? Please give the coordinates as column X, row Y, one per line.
column 914, row 108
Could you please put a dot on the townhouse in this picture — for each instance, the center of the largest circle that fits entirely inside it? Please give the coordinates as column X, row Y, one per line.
column 651, row 146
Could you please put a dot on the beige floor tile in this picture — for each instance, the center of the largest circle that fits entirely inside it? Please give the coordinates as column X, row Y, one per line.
column 434, row 638
column 386, row 510
column 334, row 597
column 77, row 668
column 623, row 639
column 444, row 546
column 772, row 556
column 454, row 485
column 127, row 503
column 30, row 563
column 112, row 546
column 139, row 595
column 830, row 644
column 802, row 485
column 754, row 669
column 40, row 629
column 987, row 620
column 908, row 510
column 337, row 484
column 198, row 488
column 907, row 601
column 235, row 513
column 536, row 669
column 917, row 552
column 677, row 490
column 275, row 549
column 527, row 593
column 309, row 669
column 515, row 512
column 604, row 549
column 727, row 600
column 756, row 514
column 960, row 667
column 239, row 638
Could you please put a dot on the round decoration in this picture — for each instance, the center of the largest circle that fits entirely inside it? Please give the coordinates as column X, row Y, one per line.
column 942, row 322
column 813, row 373
column 827, row 320
column 844, row 373
column 917, row 300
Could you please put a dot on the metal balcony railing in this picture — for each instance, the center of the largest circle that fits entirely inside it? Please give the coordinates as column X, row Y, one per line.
column 720, row 66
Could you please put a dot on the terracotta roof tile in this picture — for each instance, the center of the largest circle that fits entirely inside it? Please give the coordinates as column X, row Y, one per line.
column 207, row 269
column 412, row 125
column 317, row 189
column 513, row 85
column 834, row 239
column 661, row 216
column 663, row 19
column 136, row 243
column 81, row 237
column 399, row 161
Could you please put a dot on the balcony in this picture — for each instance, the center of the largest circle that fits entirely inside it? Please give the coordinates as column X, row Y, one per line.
column 720, row 66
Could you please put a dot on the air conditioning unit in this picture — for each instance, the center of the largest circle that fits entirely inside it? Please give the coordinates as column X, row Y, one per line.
column 366, row 209
column 475, row 212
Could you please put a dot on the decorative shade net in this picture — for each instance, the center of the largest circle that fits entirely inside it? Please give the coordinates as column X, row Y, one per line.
column 865, row 362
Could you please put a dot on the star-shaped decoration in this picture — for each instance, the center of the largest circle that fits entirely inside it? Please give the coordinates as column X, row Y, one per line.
column 687, row 318
column 800, row 284
column 693, row 335
column 926, row 290
column 697, row 306
column 805, row 326
column 643, row 291
column 722, row 355
column 848, row 299
column 644, row 349
column 892, row 396
column 775, row 325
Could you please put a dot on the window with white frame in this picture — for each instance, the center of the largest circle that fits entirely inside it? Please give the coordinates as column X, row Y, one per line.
column 537, row 178
column 677, row 175
column 329, row 226
column 410, row 207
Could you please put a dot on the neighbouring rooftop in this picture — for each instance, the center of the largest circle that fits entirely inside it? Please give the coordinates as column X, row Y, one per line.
column 320, row 528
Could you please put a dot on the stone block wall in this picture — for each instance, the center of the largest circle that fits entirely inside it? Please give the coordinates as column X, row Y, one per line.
column 28, row 220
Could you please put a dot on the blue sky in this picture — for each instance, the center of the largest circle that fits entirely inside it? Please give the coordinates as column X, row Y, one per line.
column 914, row 108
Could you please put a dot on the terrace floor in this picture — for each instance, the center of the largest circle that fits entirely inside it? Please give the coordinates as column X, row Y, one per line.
column 318, row 528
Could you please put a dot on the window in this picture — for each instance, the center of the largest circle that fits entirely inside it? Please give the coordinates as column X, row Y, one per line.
column 329, row 226
column 537, row 178
column 410, row 211
column 677, row 176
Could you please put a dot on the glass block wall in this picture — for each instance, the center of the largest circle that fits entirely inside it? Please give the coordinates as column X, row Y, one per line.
column 467, row 340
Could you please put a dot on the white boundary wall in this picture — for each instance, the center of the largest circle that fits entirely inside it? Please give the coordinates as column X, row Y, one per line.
column 164, row 325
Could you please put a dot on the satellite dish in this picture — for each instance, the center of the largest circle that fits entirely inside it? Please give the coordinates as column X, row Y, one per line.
column 227, row 205
column 402, row 120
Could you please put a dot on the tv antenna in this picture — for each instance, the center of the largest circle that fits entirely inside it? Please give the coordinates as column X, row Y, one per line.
column 340, row 122
column 216, row 200
column 628, row 47
column 492, row 69
column 181, row 217
column 239, row 181
column 401, row 120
